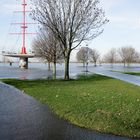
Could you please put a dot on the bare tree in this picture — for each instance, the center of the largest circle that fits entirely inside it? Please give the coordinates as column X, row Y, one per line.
column 83, row 55
column 40, row 48
column 71, row 21
column 128, row 55
column 122, row 53
column 95, row 56
column 111, row 56
column 48, row 48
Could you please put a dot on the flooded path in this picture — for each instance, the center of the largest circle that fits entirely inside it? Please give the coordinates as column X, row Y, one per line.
column 124, row 77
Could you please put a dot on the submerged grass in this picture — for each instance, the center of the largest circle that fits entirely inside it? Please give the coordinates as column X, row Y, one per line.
column 131, row 73
column 94, row 102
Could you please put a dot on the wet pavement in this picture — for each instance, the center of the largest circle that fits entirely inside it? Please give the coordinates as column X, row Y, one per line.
column 124, row 77
column 24, row 118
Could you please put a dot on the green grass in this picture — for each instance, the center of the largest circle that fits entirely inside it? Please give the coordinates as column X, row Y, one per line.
column 94, row 102
column 131, row 73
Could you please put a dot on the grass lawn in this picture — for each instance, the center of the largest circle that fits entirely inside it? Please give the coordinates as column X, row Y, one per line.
column 95, row 102
column 131, row 73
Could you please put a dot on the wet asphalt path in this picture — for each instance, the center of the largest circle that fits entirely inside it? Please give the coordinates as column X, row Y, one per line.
column 23, row 118
column 118, row 75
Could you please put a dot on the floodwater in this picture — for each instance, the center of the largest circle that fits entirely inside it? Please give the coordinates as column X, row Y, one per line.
column 40, row 70
column 35, row 71
column 24, row 118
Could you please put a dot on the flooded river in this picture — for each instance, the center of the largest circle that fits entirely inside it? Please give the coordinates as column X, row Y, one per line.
column 40, row 70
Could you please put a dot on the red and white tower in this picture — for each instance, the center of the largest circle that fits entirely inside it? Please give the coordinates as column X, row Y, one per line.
column 24, row 26
column 23, row 55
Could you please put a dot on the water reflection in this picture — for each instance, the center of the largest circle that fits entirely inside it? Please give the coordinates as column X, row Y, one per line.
column 40, row 70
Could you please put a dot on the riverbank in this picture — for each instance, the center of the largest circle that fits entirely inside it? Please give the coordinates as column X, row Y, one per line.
column 97, row 102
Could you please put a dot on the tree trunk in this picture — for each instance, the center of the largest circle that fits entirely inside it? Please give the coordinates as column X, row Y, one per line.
column 67, row 59
column 95, row 64
column 128, row 64
column 54, row 70
column 83, row 64
column 49, row 66
column 124, row 64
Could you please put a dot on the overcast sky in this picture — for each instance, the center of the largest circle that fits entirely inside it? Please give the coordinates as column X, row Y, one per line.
column 124, row 26
column 122, row 30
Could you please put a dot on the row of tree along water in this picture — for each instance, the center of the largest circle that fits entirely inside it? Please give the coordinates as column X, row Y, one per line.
column 125, row 55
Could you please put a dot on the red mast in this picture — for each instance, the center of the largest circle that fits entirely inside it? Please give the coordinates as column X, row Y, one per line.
column 24, row 27
column 23, row 54
column 23, row 50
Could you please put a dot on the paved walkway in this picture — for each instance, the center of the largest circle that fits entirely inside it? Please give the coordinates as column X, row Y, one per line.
column 23, row 118
column 124, row 77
